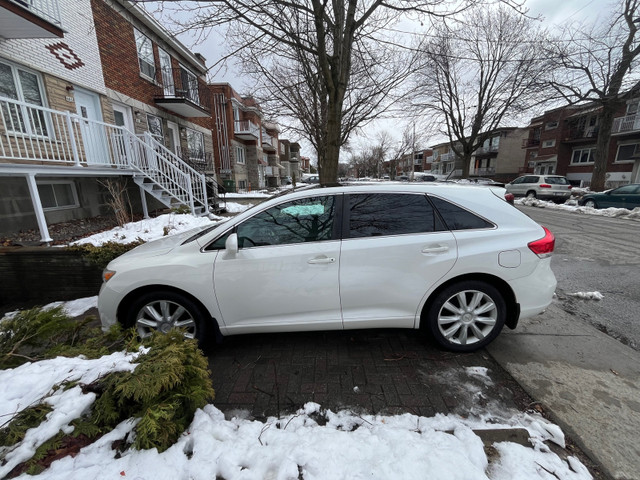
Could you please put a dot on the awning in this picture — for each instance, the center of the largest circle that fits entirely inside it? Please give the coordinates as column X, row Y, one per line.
column 545, row 159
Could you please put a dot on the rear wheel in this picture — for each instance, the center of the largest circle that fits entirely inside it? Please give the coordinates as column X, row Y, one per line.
column 467, row 316
column 590, row 203
column 531, row 194
column 164, row 311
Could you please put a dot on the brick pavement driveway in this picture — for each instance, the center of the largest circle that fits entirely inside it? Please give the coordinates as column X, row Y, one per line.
column 373, row 371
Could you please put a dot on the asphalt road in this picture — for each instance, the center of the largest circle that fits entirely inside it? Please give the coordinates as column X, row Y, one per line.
column 600, row 254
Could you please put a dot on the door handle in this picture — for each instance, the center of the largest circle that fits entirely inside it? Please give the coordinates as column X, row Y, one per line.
column 435, row 249
column 321, row 260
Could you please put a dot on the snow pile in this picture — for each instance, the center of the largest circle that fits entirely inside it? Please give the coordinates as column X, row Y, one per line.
column 587, row 295
column 572, row 206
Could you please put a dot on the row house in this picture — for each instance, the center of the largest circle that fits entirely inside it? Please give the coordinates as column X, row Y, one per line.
column 500, row 157
column 562, row 141
column 443, row 160
column 419, row 161
column 106, row 94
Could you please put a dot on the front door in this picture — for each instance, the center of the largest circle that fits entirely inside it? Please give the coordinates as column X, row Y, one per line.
column 94, row 139
column 284, row 276
column 174, row 138
column 123, row 149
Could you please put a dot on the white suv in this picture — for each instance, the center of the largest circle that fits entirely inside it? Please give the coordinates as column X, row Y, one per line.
column 455, row 261
column 544, row 187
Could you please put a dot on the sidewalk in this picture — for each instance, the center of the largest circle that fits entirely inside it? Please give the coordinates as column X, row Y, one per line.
column 586, row 381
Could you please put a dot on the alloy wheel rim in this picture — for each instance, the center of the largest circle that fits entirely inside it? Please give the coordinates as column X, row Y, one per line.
column 164, row 315
column 467, row 317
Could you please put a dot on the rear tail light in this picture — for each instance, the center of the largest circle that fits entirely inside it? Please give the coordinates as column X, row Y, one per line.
column 544, row 246
column 544, row 185
column 509, row 197
column 570, row 187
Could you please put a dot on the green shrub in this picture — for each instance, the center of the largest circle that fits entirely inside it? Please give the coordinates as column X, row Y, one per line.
column 102, row 255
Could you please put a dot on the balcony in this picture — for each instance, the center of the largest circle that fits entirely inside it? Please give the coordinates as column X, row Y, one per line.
column 530, row 142
column 487, row 150
column 577, row 134
column 447, row 157
column 246, row 130
column 183, row 93
column 267, row 142
column 30, row 19
column 628, row 124
column 484, row 172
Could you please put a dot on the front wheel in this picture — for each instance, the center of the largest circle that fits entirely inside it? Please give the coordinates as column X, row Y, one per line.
column 164, row 311
column 466, row 316
column 590, row 203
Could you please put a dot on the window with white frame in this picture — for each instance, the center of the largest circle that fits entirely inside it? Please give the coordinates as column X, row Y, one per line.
column 240, row 155
column 632, row 107
column 146, row 60
column 57, row 195
column 17, row 83
column 168, row 84
column 551, row 125
column 628, row 152
column 549, row 143
column 189, row 85
column 582, row 156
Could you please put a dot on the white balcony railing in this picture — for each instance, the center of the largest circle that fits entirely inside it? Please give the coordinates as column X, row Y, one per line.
column 630, row 123
column 31, row 134
column 488, row 149
column 45, row 9
column 267, row 139
column 447, row 157
column 246, row 127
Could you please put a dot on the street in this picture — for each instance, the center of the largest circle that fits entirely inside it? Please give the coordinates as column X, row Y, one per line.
column 595, row 253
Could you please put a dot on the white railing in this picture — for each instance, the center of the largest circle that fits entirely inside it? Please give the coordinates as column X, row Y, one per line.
column 246, row 127
column 267, row 139
column 447, row 157
column 30, row 133
column 46, row 9
column 629, row 123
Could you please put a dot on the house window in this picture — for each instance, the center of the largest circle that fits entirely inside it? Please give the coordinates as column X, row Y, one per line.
column 551, row 125
column 282, row 148
column 24, row 86
column 632, row 108
column 628, row 153
column 240, row 155
column 58, row 195
column 155, row 127
column 189, row 85
column 195, row 144
column 582, row 156
column 549, row 143
column 168, row 84
column 145, row 55
column 242, row 184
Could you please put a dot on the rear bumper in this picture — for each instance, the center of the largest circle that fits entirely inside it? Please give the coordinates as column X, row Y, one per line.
column 535, row 292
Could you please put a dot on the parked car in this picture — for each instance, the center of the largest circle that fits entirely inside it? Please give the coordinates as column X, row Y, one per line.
column 286, row 181
column 626, row 196
column 487, row 181
column 455, row 261
column 544, row 187
column 311, row 179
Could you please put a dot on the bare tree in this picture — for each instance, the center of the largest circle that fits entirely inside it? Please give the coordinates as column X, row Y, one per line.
column 595, row 64
column 326, row 47
column 482, row 70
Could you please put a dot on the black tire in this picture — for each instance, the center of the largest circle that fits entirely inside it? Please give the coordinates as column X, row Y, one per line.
column 164, row 310
column 531, row 194
column 466, row 316
column 590, row 202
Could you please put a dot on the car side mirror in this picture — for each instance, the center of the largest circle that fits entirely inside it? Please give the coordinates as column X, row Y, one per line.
column 231, row 245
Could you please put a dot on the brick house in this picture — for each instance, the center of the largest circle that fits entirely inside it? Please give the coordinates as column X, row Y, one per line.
column 66, row 127
column 562, row 141
column 421, row 162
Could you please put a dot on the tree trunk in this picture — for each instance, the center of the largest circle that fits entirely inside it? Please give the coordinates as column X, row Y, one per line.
column 329, row 167
column 598, row 177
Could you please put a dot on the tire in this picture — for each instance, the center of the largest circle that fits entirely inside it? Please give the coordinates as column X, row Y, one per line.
column 165, row 310
column 531, row 194
column 590, row 203
column 466, row 316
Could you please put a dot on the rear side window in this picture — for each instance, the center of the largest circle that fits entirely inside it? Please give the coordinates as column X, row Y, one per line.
column 556, row 180
column 457, row 218
column 530, row 179
column 381, row 214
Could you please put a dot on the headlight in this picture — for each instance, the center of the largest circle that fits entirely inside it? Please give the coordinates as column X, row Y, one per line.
column 107, row 274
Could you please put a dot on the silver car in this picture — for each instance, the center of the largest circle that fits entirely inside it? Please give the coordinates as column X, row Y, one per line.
column 545, row 187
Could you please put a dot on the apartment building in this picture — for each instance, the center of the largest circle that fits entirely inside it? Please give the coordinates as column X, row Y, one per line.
column 66, row 127
column 500, row 157
column 444, row 161
column 562, row 141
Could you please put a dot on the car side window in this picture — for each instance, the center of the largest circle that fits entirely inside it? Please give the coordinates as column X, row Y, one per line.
column 556, row 180
column 530, row 179
column 297, row 221
column 382, row 214
column 457, row 218
column 517, row 181
column 624, row 190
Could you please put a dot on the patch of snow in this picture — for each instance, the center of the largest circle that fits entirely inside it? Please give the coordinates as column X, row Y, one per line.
column 587, row 295
column 571, row 205
column 233, row 207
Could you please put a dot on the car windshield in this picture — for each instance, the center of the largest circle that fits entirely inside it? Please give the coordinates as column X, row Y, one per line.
column 556, row 180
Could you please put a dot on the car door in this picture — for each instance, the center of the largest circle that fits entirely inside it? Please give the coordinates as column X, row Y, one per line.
column 621, row 197
column 515, row 186
column 284, row 276
column 394, row 249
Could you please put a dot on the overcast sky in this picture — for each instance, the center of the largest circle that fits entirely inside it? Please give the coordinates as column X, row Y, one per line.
column 553, row 12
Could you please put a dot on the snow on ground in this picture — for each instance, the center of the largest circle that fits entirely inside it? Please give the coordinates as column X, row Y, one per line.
column 587, row 295
column 572, row 206
column 343, row 445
